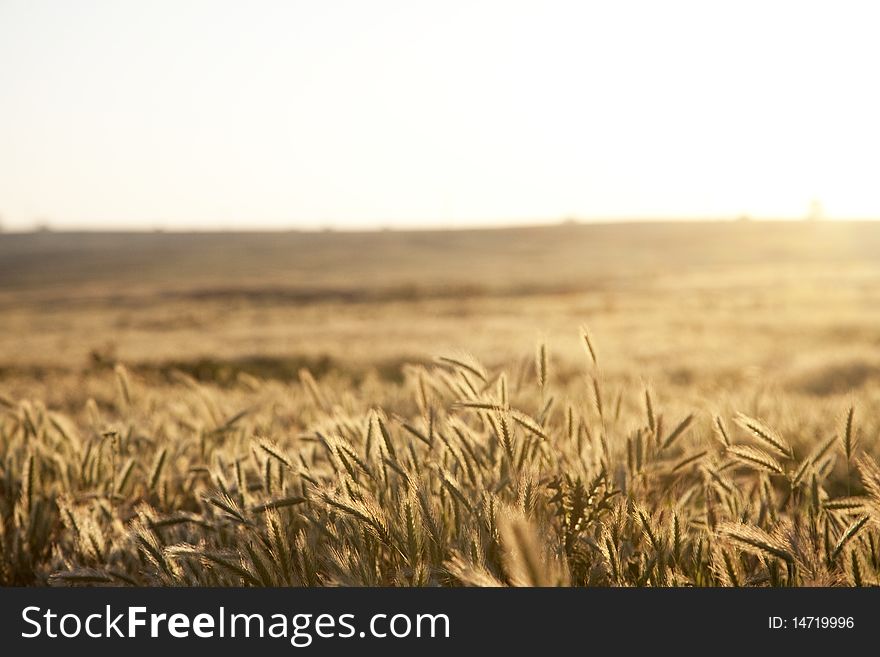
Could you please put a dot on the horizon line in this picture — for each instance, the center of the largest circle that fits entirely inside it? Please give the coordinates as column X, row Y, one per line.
column 47, row 228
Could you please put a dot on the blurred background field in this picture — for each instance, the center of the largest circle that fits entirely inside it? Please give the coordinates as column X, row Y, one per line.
column 700, row 308
column 148, row 379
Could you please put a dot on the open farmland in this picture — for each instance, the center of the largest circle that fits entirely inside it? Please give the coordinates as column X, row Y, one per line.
column 272, row 406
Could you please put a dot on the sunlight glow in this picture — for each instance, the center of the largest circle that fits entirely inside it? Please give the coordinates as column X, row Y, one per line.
column 347, row 113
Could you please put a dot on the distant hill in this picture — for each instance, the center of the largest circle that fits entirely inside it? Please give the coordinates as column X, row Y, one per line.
column 560, row 257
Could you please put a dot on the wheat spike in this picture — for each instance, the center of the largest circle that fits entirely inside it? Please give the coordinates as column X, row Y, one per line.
column 587, row 340
column 755, row 458
column 765, row 434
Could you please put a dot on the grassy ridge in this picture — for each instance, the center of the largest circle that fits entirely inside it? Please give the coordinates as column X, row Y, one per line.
column 549, row 258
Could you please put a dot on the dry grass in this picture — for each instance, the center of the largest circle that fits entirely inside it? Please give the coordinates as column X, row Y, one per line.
column 463, row 481
column 150, row 434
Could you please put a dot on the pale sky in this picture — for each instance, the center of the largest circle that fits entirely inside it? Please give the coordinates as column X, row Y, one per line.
column 191, row 114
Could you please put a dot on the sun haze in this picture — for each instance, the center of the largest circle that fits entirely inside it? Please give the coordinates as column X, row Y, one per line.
column 350, row 114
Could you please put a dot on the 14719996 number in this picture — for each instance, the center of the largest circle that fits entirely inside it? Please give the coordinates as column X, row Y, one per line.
column 811, row 622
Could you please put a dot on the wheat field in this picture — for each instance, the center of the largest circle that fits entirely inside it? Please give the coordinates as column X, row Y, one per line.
column 655, row 405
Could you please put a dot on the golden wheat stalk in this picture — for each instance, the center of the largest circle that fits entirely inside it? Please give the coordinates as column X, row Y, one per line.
column 755, row 458
column 765, row 434
column 587, row 340
column 756, row 540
